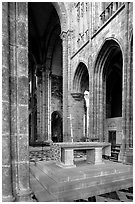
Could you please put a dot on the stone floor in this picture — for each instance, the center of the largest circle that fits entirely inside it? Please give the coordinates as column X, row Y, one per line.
column 124, row 195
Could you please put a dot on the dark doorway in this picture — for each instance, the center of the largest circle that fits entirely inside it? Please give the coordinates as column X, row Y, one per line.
column 112, row 137
column 56, row 127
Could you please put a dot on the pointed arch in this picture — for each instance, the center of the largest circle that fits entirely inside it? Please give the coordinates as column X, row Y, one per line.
column 62, row 13
column 107, row 49
column 81, row 79
column 108, row 84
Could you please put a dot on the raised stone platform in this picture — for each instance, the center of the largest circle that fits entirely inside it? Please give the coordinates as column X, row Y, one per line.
column 50, row 182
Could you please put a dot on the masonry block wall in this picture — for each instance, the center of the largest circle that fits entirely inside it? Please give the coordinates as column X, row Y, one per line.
column 115, row 27
column 15, row 108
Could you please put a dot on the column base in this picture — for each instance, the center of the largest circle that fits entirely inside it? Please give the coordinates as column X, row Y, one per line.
column 49, row 141
column 8, row 199
column 62, row 165
column 24, row 196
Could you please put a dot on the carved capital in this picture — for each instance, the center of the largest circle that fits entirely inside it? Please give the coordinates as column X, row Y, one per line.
column 63, row 35
column 38, row 70
column 69, row 33
column 77, row 96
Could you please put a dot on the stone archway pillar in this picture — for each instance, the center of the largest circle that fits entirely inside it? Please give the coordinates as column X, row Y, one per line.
column 100, row 111
column 7, row 187
column 16, row 160
column 64, row 37
column 46, row 98
column 38, row 108
column 91, row 101
column 126, row 98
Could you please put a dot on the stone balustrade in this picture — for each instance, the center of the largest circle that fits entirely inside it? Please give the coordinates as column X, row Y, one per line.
column 109, row 11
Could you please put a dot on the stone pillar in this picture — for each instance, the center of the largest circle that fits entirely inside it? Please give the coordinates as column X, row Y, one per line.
column 129, row 89
column 33, row 125
column 70, row 119
column 97, row 104
column 101, row 109
column 38, row 110
column 18, row 18
column 7, row 188
column 41, row 108
column 65, row 86
column 44, row 96
column 131, row 95
column 125, row 93
column 50, row 111
column 46, row 123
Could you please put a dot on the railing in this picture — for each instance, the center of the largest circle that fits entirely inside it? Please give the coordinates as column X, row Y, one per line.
column 110, row 10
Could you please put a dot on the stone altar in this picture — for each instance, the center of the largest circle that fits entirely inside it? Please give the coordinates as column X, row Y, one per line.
column 94, row 151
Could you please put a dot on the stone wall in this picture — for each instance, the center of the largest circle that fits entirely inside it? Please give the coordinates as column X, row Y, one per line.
column 114, row 124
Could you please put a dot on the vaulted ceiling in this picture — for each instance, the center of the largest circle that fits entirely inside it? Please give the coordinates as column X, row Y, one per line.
column 43, row 24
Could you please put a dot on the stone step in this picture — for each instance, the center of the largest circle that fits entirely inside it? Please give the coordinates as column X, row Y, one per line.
column 41, row 194
column 43, row 179
column 83, row 193
column 60, row 175
column 83, row 183
column 74, row 181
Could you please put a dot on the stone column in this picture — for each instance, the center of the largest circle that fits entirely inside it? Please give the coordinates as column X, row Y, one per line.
column 100, row 118
column 18, row 18
column 91, row 100
column 101, row 109
column 131, row 95
column 33, row 131
column 46, row 123
column 38, row 110
column 97, row 105
column 95, row 91
column 44, row 96
column 125, row 96
column 49, row 112
column 69, row 124
column 41, row 108
column 65, row 86
column 7, row 188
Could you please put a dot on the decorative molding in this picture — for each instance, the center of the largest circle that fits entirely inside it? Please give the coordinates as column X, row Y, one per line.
column 63, row 35
column 77, row 96
column 108, row 21
column 79, row 49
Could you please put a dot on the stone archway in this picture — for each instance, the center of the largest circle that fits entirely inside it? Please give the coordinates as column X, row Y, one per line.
column 45, row 44
column 16, row 178
column 108, row 75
